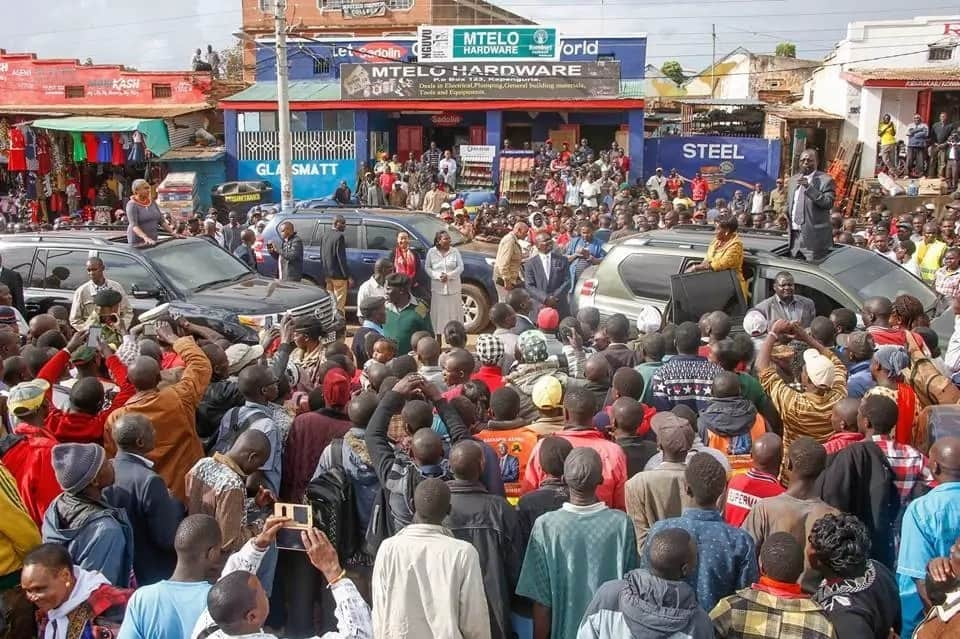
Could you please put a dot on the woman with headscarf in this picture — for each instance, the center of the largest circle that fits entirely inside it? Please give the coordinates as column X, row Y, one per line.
column 725, row 252
column 444, row 266
column 533, row 363
column 144, row 218
column 887, row 367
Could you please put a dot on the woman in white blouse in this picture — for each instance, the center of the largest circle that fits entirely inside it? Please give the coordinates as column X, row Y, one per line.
column 443, row 266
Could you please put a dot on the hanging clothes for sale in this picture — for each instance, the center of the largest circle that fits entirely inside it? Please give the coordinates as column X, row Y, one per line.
column 104, row 148
column 4, row 134
column 17, row 155
column 79, row 148
column 42, row 143
column 117, row 158
column 137, row 154
column 90, row 141
column 30, row 148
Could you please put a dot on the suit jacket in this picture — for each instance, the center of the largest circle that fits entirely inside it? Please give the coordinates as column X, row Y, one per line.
column 154, row 515
column 542, row 285
column 774, row 310
column 15, row 283
column 291, row 258
column 816, row 234
column 231, row 237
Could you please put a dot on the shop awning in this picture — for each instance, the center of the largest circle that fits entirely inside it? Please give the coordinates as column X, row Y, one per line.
column 154, row 131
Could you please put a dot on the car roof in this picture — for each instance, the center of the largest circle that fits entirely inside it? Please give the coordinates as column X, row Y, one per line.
column 753, row 241
column 82, row 239
column 351, row 212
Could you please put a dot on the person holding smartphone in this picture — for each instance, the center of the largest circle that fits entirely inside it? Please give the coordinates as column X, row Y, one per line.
column 583, row 251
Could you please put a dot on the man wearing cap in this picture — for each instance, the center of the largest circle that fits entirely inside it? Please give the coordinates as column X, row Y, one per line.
column 860, row 349
column 84, row 307
column 97, row 536
column 507, row 267
column 547, row 397
column 547, row 276
column 27, row 453
column 824, row 381
column 785, row 304
column 14, row 282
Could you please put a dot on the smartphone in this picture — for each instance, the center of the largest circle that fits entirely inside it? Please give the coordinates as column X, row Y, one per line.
column 93, row 336
column 150, row 329
column 288, row 538
column 268, row 322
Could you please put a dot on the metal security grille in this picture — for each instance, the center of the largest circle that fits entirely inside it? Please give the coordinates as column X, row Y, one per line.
column 307, row 145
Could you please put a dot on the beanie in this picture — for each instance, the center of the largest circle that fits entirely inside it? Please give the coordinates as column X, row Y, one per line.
column 76, row 465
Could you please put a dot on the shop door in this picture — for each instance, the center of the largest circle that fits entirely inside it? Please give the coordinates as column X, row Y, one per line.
column 409, row 140
column 478, row 135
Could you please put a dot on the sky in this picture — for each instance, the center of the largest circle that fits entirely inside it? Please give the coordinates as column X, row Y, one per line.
column 152, row 35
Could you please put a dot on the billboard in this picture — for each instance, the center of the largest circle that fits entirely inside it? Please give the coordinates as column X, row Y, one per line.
column 472, row 43
column 729, row 164
column 311, row 178
column 490, row 81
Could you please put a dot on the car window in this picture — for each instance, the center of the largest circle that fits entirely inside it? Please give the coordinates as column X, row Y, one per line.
column 351, row 234
column 381, row 237
column 648, row 274
column 179, row 260
column 869, row 275
column 304, row 228
column 825, row 295
column 19, row 259
column 66, row 269
column 128, row 272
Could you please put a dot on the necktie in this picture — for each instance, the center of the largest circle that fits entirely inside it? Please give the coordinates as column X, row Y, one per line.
column 797, row 209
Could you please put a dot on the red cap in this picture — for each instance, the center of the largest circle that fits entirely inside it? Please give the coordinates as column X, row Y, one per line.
column 548, row 319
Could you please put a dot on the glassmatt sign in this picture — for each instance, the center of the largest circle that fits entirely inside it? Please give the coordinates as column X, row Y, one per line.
column 311, row 178
column 476, row 43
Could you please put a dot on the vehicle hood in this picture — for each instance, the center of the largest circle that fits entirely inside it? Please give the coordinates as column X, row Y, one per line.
column 257, row 296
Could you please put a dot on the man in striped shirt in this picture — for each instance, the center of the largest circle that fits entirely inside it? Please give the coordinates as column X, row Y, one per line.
column 744, row 491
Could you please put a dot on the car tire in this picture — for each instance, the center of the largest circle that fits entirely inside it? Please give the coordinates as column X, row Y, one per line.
column 476, row 308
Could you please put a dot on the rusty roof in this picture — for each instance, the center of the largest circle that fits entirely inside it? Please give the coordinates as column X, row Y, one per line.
column 124, row 110
column 911, row 73
column 801, row 113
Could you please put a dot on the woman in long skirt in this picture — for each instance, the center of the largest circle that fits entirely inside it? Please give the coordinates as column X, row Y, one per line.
column 443, row 266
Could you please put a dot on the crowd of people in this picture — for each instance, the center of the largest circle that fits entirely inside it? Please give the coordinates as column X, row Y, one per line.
column 563, row 476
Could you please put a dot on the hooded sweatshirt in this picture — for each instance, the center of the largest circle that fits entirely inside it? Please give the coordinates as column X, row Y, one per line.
column 732, row 418
column 523, row 379
column 56, row 622
column 97, row 536
column 642, row 606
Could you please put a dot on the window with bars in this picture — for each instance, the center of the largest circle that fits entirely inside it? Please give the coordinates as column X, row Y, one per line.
column 74, row 91
column 162, row 91
column 940, row 53
column 321, row 66
column 267, row 6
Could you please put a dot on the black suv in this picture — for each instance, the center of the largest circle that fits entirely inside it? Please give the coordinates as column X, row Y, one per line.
column 201, row 281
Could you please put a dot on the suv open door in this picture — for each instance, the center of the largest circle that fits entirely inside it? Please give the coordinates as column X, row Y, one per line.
column 693, row 294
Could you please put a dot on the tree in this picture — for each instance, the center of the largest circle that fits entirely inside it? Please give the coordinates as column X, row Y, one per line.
column 231, row 63
column 786, row 50
column 673, row 70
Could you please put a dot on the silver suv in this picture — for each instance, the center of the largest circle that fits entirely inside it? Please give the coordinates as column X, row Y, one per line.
column 643, row 269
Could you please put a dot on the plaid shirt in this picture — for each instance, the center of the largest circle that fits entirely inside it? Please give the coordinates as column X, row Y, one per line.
column 909, row 466
column 947, row 283
column 755, row 614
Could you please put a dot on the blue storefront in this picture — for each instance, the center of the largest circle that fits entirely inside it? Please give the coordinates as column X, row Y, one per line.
column 334, row 135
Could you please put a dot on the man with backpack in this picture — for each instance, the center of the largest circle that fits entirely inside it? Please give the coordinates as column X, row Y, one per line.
column 399, row 473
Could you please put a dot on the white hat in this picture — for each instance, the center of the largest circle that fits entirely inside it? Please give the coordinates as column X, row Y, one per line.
column 533, row 204
column 819, row 369
column 649, row 319
column 239, row 356
column 445, row 205
column 754, row 323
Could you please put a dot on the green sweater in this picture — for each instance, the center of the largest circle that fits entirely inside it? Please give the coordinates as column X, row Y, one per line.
column 401, row 325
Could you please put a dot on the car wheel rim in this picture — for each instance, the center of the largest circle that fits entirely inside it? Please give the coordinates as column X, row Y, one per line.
column 471, row 310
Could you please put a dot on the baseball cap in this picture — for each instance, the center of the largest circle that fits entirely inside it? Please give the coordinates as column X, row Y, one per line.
column 673, row 432
column 548, row 319
column 83, row 354
column 27, row 397
column 547, row 393
column 819, row 368
column 649, row 319
column 754, row 323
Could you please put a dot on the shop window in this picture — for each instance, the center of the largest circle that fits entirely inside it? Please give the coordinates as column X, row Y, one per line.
column 298, row 121
column 321, row 66
column 73, row 91
column 940, row 53
column 329, row 5
column 162, row 91
column 268, row 121
column 399, row 5
column 248, row 121
column 267, row 6
column 338, row 120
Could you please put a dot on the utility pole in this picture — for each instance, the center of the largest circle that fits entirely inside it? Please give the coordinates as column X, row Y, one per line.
column 713, row 64
column 283, row 109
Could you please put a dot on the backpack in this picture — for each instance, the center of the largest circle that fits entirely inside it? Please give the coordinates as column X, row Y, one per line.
column 331, row 497
column 930, row 386
column 226, row 440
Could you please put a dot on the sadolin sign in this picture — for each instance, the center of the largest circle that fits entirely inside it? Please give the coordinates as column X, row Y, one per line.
column 472, row 81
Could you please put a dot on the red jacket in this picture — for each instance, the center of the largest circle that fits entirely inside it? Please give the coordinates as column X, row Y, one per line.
column 492, row 376
column 611, row 456
column 700, row 187
column 30, row 461
column 82, row 427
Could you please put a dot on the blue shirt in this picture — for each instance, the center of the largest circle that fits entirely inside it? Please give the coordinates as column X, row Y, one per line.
column 165, row 610
column 578, row 266
column 931, row 524
column 860, row 380
column 727, row 559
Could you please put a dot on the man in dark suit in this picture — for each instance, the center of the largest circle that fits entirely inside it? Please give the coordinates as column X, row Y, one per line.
column 289, row 254
column 547, row 276
column 15, row 283
column 810, row 198
column 153, row 512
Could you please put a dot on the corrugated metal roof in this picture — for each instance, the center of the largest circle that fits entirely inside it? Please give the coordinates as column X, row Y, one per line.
column 916, row 73
column 194, row 153
column 120, row 110
column 788, row 113
column 631, row 88
column 300, row 91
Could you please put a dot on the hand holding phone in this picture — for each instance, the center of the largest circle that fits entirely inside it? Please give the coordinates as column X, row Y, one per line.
column 93, row 336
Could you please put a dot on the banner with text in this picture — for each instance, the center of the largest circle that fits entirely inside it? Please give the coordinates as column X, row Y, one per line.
column 729, row 164
column 462, row 43
column 490, row 81
column 311, row 178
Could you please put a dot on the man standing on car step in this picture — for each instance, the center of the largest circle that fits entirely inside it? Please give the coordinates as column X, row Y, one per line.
column 333, row 257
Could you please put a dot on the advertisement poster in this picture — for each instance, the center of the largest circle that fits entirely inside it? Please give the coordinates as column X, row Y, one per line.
column 489, row 81
column 513, row 448
column 729, row 164
column 311, row 178
column 461, row 43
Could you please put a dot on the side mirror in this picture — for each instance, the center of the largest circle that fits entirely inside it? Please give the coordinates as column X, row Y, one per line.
column 144, row 294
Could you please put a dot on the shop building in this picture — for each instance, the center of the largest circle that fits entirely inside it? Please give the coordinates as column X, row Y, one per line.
column 353, row 98
column 900, row 67
column 63, row 123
